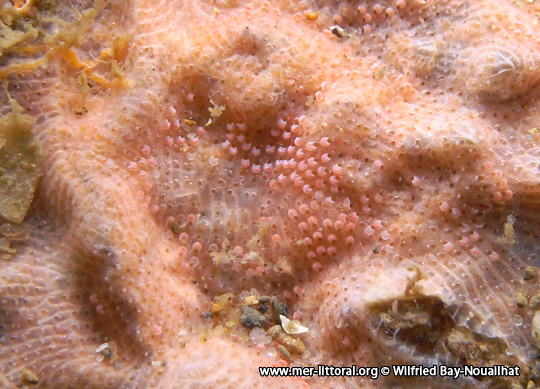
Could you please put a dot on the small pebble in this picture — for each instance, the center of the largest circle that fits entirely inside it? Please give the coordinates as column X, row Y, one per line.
column 250, row 318
column 338, row 31
column 521, row 300
column 294, row 344
column 530, row 273
column 284, row 351
column 535, row 329
column 312, row 15
column 534, row 301
column 216, row 309
column 175, row 227
column 279, row 308
column 251, row 300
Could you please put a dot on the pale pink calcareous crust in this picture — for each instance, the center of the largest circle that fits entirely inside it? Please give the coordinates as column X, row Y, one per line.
column 254, row 148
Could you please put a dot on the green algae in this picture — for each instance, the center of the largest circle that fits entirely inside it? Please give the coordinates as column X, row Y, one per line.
column 19, row 172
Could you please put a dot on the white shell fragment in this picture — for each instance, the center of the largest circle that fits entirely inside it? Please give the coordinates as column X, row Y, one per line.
column 292, row 327
column 338, row 31
column 102, row 347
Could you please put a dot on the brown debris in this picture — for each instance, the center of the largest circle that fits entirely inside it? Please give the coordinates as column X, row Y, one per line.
column 5, row 247
column 28, row 377
column 16, row 231
column 414, row 320
column 80, row 110
column 476, row 349
column 225, row 301
column 11, row 235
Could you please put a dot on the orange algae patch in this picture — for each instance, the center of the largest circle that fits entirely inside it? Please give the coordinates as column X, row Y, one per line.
column 25, row 37
column 13, row 30
column 23, row 6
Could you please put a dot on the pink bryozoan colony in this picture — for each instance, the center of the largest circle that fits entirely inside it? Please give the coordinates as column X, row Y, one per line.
column 188, row 171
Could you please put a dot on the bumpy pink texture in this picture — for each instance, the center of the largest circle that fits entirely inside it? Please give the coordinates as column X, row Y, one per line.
column 254, row 148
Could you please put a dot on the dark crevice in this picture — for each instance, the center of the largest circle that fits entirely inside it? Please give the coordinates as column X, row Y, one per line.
column 424, row 324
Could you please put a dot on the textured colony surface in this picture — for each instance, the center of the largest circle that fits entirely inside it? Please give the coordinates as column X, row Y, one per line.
column 369, row 170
